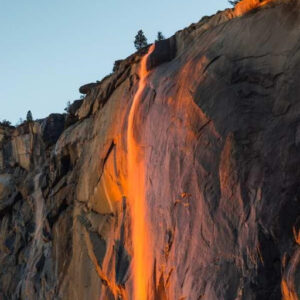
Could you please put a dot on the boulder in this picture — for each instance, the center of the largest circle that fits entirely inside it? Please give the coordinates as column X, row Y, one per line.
column 85, row 89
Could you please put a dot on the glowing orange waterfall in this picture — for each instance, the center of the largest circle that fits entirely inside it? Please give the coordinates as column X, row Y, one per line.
column 136, row 193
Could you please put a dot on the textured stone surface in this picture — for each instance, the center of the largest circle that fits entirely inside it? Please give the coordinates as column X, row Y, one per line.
column 218, row 127
column 85, row 89
column 165, row 50
column 52, row 127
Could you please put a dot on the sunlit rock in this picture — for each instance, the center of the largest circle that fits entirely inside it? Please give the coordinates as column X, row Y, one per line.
column 178, row 177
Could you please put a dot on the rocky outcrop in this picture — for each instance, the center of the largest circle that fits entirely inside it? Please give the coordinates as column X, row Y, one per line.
column 52, row 127
column 165, row 51
column 217, row 129
column 85, row 89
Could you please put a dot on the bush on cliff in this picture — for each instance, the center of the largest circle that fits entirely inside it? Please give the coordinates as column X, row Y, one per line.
column 159, row 37
column 5, row 123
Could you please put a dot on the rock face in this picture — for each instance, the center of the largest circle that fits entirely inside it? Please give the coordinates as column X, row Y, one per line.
column 217, row 129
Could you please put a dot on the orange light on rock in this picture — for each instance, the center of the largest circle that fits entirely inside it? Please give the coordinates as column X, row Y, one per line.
column 296, row 235
column 287, row 293
column 247, row 5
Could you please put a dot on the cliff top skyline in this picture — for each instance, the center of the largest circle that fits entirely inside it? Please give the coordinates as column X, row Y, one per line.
column 50, row 49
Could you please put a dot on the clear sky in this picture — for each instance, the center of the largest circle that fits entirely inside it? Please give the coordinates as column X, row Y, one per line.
column 49, row 48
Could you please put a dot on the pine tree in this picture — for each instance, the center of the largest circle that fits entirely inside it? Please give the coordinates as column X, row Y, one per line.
column 29, row 117
column 140, row 40
column 160, row 36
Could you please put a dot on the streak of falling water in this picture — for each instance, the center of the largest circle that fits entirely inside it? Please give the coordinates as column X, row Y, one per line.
column 37, row 241
column 141, row 238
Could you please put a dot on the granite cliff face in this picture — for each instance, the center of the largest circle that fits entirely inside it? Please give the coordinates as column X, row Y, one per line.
column 203, row 141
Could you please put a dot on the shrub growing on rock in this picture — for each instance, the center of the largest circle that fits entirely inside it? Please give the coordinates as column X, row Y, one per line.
column 5, row 123
column 159, row 37
column 117, row 65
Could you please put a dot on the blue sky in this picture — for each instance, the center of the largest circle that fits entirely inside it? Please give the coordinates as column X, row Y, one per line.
column 51, row 47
